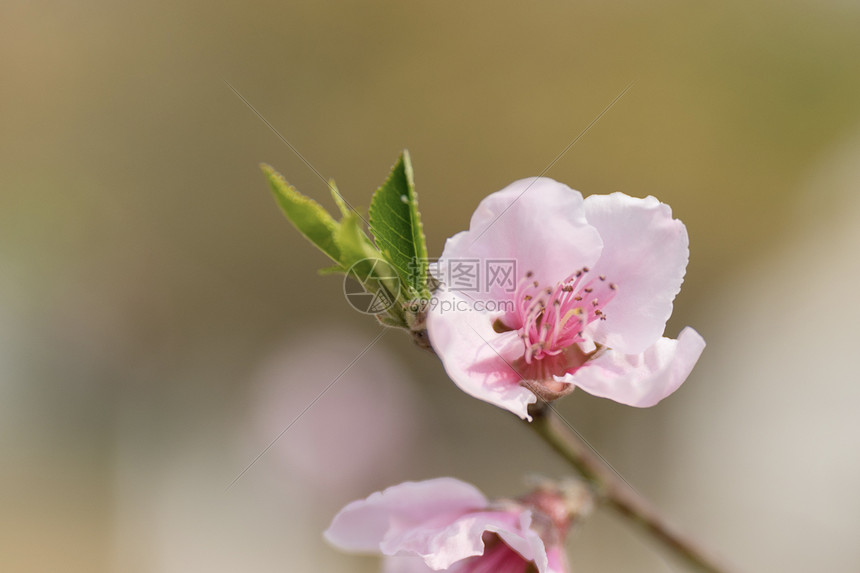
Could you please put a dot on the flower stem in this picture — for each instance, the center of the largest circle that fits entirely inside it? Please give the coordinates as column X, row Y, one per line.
column 615, row 492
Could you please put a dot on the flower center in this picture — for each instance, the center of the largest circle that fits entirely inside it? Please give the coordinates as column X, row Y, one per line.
column 551, row 320
column 498, row 557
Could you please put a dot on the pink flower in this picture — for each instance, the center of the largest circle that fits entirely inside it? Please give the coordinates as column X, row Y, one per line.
column 447, row 525
column 594, row 288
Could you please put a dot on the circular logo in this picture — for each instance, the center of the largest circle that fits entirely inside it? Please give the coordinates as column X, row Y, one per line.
column 371, row 286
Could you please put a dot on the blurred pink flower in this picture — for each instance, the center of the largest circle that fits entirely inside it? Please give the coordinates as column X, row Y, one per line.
column 595, row 283
column 353, row 433
column 447, row 525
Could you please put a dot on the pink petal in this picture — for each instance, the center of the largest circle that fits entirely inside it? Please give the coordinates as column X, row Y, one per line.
column 526, row 542
column 556, row 560
column 645, row 253
column 538, row 222
column 498, row 558
column 442, row 547
column 476, row 357
column 404, row 564
column 364, row 524
column 641, row 379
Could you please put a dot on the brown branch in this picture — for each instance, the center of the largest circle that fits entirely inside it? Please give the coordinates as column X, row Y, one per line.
column 615, row 492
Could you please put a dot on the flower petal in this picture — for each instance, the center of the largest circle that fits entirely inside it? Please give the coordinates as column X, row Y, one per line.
column 556, row 560
column 526, row 542
column 443, row 546
column 537, row 222
column 364, row 524
column 498, row 557
column 404, row 564
column 645, row 253
column 641, row 379
column 477, row 358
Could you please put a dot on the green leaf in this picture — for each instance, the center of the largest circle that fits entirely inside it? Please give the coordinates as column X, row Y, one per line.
column 338, row 198
column 332, row 270
column 396, row 225
column 360, row 256
column 352, row 242
column 308, row 216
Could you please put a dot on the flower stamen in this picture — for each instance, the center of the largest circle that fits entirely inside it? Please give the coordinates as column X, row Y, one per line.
column 552, row 319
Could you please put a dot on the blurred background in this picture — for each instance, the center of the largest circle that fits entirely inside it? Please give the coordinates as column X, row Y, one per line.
column 161, row 323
